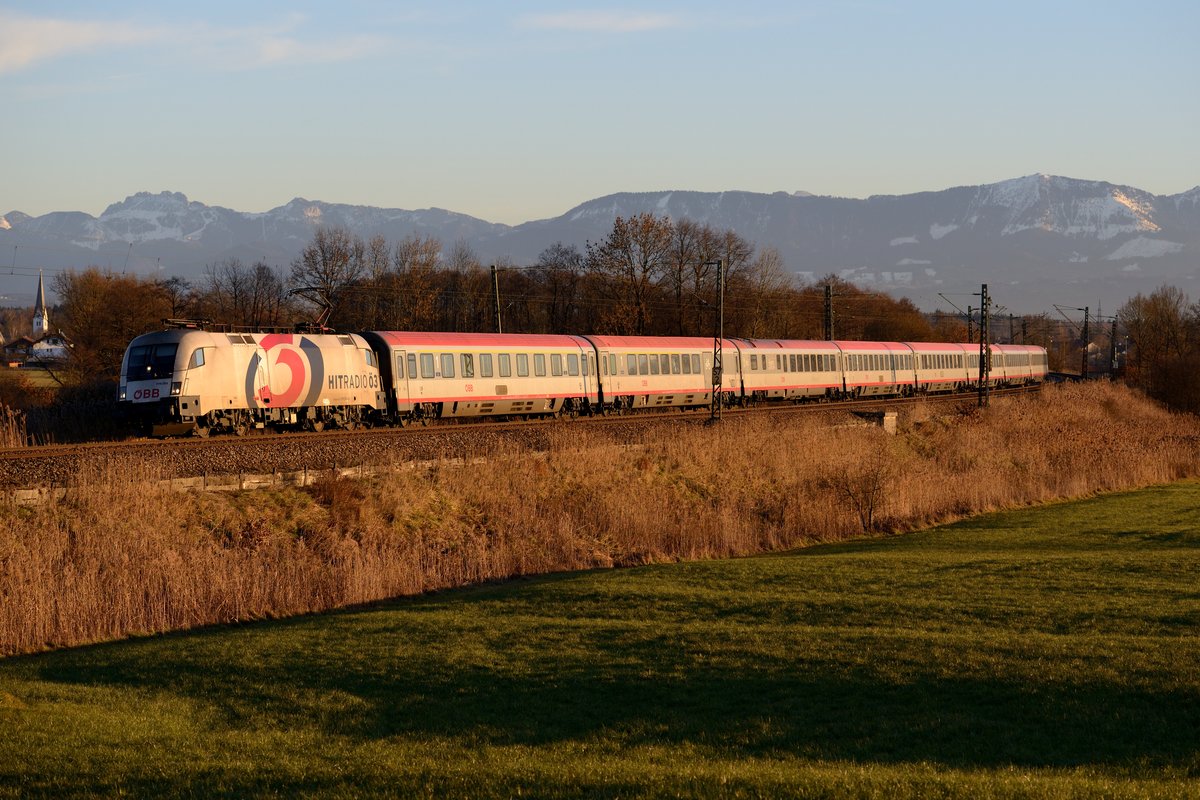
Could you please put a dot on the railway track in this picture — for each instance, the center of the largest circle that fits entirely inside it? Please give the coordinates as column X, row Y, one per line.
column 63, row 465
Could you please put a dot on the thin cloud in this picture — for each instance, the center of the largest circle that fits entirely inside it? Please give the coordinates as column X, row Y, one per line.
column 602, row 21
column 28, row 40
column 25, row 41
column 272, row 50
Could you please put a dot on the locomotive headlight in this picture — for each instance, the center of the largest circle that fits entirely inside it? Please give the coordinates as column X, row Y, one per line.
column 176, row 387
column 121, row 394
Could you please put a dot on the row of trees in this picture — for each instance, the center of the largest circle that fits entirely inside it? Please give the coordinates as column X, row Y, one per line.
column 649, row 275
column 1163, row 351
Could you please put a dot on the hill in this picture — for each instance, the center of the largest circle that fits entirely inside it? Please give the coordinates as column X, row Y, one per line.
column 1037, row 240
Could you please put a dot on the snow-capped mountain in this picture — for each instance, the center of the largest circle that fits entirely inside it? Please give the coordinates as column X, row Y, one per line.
column 1035, row 240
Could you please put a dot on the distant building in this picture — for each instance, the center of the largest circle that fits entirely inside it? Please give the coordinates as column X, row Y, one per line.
column 41, row 316
column 44, row 346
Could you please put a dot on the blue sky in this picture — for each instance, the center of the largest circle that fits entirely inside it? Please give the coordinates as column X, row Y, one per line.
column 518, row 111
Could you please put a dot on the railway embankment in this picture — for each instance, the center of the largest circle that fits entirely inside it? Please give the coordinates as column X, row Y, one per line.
column 119, row 552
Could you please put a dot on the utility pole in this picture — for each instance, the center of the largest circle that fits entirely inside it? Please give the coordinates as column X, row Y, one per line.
column 970, row 324
column 985, row 366
column 828, row 312
column 1012, row 330
column 1112, row 350
column 496, row 291
column 1087, row 328
column 718, row 345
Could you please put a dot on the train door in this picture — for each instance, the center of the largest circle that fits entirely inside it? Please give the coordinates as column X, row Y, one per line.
column 604, row 377
column 401, row 378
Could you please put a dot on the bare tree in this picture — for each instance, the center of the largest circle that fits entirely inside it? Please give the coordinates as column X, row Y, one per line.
column 327, row 265
column 416, row 260
column 558, row 278
column 681, row 270
column 628, row 263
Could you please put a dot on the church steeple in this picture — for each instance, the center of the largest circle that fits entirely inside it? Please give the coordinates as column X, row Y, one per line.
column 41, row 317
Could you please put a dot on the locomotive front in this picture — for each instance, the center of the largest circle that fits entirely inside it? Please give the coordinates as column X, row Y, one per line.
column 152, row 376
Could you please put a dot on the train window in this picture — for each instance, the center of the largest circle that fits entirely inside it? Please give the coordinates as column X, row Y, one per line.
column 412, row 365
column 612, row 364
column 643, row 365
column 631, row 365
column 792, row 362
column 151, row 361
column 753, row 361
column 399, row 366
column 687, row 364
column 468, row 365
column 539, row 364
column 485, row 365
column 427, row 369
column 447, row 365
column 522, row 365
column 556, row 365
column 695, row 363
column 573, row 364
column 654, row 363
column 675, row 363
column 369, row 356
column 197, row 359
column 505, row 364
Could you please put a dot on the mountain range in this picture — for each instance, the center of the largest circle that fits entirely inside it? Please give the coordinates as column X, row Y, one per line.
column 1037, row 240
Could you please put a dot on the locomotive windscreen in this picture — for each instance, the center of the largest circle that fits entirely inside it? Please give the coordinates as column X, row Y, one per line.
column 151, row 362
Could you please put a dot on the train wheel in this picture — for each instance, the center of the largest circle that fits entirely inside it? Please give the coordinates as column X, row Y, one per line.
column 201, row 431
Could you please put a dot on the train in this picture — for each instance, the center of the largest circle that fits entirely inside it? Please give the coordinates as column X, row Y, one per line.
column 197, row 379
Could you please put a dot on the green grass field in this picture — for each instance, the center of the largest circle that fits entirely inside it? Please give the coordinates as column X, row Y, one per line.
column 1049, row 652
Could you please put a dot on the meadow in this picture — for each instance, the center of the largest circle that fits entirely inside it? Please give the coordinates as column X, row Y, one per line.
column 122, row 555
column 1038, row 653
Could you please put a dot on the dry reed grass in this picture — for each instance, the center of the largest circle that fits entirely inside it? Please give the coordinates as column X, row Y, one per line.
column 12, row 427
column 120, row 556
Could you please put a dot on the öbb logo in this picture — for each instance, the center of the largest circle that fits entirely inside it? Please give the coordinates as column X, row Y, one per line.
column 145, row 394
